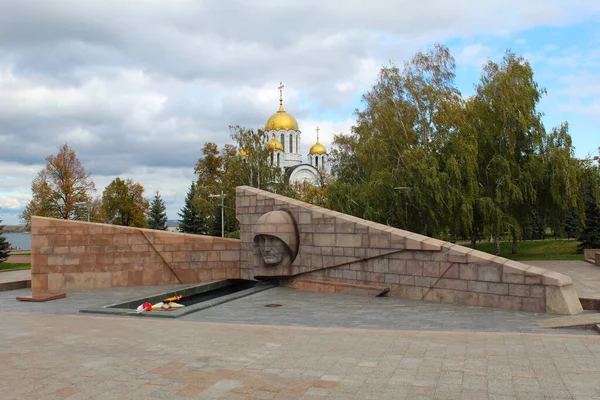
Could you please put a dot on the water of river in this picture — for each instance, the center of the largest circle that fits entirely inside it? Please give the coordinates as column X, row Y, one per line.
column 21, row 241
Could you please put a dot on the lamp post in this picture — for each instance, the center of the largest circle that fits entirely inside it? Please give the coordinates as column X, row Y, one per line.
column 222, row 196
column 403, row 189
column 87, row 207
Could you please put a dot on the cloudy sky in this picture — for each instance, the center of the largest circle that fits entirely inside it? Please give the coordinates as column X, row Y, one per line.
column 137, row 87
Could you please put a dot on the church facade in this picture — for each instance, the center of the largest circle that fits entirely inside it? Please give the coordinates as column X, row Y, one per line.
column 285, row 147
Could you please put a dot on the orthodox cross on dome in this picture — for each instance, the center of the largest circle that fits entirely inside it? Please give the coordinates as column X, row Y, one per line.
column 317, row 133
column 280, row 93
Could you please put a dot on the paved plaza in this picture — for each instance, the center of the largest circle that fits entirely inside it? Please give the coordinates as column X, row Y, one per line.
column 315, row 346
column 80, row 357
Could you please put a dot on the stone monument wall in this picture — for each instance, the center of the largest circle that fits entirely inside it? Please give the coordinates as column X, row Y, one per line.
column 80, row 255
column 339, row 253
column 592, row 256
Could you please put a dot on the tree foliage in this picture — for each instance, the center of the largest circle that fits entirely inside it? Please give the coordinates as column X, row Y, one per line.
column 590, row 194
column 590, row 234
column 61, row 189
column 573, row 225
column 423, row 158
column 95, row 211
column 191, row 220
column 222, row 170
column 214, row 177
column 124, row 204
column 157, row 216
column 4, row 245
column 509, row 135
column 401, row 166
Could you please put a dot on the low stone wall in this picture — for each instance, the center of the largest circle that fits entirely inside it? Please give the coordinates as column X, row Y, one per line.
column 592, row 256
column 80, row 255
column 339, row 253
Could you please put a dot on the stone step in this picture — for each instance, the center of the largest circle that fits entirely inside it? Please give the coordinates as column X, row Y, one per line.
column 581, row 321
column 39, row 297
column 589, row 303
column 315, row 285
column 13, row 285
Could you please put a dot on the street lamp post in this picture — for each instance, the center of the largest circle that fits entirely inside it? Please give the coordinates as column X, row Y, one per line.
column 87, row 207
column 403, row 189
column 222, row 196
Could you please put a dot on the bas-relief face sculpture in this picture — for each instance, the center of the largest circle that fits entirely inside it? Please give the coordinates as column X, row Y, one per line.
column 272, row 249
column 277, row 238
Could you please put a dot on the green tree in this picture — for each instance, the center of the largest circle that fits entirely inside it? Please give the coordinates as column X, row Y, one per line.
column 222, row 170
column 191, row 221
column 314, row 193
column 590, row 234
column 590, row 190
column 124, row 204
column 554, row 173
column 4, row 245
column 213, row 174
column 407, row 162
column 422, row 158
column 95, row 211
column 157, row 218
column 509, row 135
column 254, row 169
column 61, row 189
column 572, row 224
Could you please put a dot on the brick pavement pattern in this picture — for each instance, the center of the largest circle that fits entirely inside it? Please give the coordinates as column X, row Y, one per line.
column 309, row 309
column 80, row 357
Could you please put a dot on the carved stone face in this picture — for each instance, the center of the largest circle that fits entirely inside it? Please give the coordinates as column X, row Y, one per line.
column 272, row 249
column 275, row 244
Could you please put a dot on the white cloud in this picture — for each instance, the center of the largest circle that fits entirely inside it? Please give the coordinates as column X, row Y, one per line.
column 327, row 129
column 585, row 85
column 473, row 55
column 136, row 88
column 15, row 183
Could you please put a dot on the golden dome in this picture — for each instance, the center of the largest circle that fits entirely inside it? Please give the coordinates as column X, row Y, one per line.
column 243, row 153
column 274, row 144
column 281, row 120
column 318, row 148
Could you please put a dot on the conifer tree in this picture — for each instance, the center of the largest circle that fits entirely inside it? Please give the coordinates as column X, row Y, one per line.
column 572, row 224
column 4, row 246
column 158, row 214
column 191, row 221
column 590, row 235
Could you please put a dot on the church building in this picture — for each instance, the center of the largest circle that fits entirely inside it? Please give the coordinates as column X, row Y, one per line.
column 284, row 144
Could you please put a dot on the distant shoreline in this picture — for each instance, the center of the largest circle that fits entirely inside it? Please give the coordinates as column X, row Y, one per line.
column 15, row 229
column 18, row 241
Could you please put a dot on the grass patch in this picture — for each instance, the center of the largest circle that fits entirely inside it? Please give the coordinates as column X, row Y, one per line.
column 5, row 266
column 536, row 250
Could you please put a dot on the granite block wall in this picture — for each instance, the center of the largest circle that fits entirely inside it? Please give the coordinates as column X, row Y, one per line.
column 339, row 253
column 592, row 256
column 80, row 255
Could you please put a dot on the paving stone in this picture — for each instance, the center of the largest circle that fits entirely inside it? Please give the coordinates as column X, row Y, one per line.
column 315, row 346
